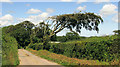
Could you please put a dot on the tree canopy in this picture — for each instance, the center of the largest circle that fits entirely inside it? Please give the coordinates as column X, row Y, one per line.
column 76, row 21
column 26, row 32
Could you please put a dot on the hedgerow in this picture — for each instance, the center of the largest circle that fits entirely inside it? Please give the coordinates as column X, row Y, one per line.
column 9, row 50
column 96, row 48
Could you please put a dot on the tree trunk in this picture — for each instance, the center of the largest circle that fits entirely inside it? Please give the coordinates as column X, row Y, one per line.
column 46, row 40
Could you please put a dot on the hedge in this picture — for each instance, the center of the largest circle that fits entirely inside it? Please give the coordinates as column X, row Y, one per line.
column 9, row 51
column 94, row 49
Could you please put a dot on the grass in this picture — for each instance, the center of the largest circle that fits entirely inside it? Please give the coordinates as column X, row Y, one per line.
column 64, row 60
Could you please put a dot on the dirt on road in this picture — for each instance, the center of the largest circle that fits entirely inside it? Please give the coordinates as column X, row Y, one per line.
column 27, row 58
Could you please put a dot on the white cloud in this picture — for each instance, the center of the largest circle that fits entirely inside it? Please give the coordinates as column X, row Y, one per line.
column 33, row 11
column 80, row 8
column 50, row 10
column 80, row 1
column 44, row 14
column 66, row 0
column 99, row 1
column 36, row 18
column 6, row 20
column 108, row 9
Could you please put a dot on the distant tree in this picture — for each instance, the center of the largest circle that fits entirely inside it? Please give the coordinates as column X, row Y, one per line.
column 72, row 36
column 117, row 32
column 61, row 38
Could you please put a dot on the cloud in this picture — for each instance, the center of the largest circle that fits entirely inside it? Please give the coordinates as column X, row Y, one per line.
column 6, row 20
column 80, row 8
column 108, row 9
column 67, row 0
column 33, row 11
column 99, row 1
column 50, row 10
column 35, row 18
column 44, row 14
column 80, row 1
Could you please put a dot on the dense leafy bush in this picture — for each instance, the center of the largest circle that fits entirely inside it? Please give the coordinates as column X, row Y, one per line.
column 9, row 50
column 94, row 48
column 81, row 50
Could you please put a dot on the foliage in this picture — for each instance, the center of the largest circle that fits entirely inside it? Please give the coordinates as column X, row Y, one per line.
column 95, row 48
column 76, row 21
column 36, row 46
column 61, row 38
column 45, row 31
column 64, row 60
column 39, row 32
column 9, row 50
column 70, row 36
column 21, row 32
column 117, row 32
column 54, row 38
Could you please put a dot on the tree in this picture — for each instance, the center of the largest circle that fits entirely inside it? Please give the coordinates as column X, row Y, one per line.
column 54, row 38
column 61, row 38
column 72, row 36
column 22, row 32
column 75, row 21
column 117, row 32
column 38, row 32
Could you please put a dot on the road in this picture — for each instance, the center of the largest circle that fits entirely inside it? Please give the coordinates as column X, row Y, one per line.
column 27, row 58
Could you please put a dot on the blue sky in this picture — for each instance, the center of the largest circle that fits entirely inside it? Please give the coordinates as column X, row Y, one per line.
column 13, row 13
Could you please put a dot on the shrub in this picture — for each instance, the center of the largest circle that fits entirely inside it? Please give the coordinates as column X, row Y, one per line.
column 94, row 48
column 9, row 50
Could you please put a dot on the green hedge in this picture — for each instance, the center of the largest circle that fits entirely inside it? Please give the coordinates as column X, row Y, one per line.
column 91, row 48
column 9, row 50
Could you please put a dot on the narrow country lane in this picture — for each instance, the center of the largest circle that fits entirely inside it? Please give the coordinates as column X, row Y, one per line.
column 26, row 58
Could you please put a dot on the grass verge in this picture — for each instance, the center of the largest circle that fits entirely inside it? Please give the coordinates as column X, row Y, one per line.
column 64, row 60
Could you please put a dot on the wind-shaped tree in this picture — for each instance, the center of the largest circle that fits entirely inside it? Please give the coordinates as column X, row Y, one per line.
column 74, row 22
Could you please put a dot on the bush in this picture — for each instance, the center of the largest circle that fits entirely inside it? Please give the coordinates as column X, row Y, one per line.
column 89, row 50
column 36, row 46
column 94, row 48
column 9, row 50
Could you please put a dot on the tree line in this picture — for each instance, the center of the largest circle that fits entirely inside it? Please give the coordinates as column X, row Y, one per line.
column 26, row 32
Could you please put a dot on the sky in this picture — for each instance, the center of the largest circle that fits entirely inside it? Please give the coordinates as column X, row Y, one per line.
column 13, row 12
